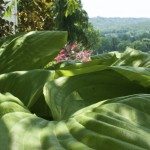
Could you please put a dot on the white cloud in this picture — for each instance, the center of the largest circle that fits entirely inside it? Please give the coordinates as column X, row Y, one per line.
column 117, row 8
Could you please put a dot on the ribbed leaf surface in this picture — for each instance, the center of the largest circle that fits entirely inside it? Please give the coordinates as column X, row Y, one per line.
column 28, row 86
column 119, row 123
column 32, row 50
column 66, row 95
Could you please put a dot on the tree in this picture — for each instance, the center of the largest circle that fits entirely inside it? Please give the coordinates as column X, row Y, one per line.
column 66, row 15
column 53, row 15
column 143, row 44
column 93, row 38
column 71, row 17
column 105, row 44
column 123, row 45
column 35, row 15
column 114, row 43
column 6, row 27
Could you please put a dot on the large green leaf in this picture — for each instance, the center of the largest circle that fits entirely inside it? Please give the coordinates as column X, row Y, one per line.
column 66, row 95
column 130, row 57
column 32, row 50
column 133, row 58
column 121, row 123
column 28, row 86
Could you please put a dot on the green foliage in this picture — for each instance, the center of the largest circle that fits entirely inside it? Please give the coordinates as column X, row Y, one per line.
column 72, row 5
column 72, row 18
column 93, row 38
column 100, row 104
column 68, row 94
column 119, row 33
column 35, row 15
column 111, row 25
column 119, row 123
column 143, row 44
column 30, row 51
column 120, row 42
column 65, row 15
column 6, row 27
column 31, row 96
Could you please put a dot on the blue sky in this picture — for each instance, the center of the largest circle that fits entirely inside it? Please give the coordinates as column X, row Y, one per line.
column 117, row 8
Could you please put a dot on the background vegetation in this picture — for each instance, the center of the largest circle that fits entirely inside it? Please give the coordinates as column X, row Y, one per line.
column 65, row 15
column 6, row 27
column 118, row 33
column 98, row 34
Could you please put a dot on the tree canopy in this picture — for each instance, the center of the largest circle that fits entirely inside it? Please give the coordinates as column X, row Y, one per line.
column 6, row 27
column 66, row 15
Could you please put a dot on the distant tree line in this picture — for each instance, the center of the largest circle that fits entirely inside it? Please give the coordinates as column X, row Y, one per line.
column 117, row 42
column 121, row 25
column 118, row 33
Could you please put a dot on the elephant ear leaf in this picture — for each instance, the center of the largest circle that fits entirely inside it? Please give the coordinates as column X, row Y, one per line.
column 132, row 57
column 28, row 86
column 66, row 95
column 32, row 50
column 119, row 123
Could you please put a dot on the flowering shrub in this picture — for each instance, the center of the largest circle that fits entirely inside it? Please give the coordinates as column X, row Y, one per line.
column 72, row 52
column 84, row 56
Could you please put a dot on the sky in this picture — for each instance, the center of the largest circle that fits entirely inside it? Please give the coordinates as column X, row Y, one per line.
column 117, row 8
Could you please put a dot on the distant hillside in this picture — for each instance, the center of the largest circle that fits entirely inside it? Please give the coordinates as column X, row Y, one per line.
column 107, row 25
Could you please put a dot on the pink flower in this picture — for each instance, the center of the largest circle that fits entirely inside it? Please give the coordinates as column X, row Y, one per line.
column 84, row 56
column 72, row 52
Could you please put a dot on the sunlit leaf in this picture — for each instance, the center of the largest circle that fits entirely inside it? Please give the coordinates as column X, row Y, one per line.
column 32, row 50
